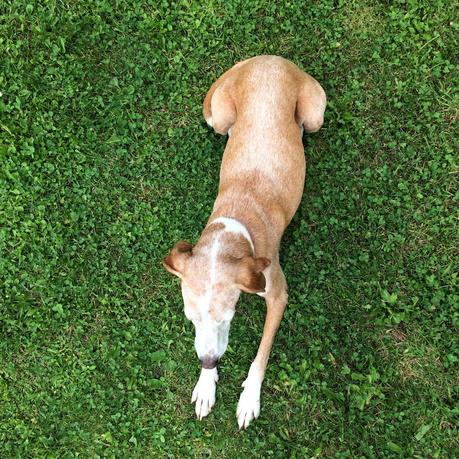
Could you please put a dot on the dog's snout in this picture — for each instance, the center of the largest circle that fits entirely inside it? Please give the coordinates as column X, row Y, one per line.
column 209, row 361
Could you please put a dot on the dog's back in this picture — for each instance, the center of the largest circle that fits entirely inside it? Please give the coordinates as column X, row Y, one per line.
column 262, row 102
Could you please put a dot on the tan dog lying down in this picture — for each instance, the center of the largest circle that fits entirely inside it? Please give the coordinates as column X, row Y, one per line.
column 263, row 104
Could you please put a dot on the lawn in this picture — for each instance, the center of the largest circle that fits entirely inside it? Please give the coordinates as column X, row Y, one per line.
column 106, row 161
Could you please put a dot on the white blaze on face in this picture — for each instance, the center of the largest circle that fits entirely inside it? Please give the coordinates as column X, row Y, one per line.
column 212, row 334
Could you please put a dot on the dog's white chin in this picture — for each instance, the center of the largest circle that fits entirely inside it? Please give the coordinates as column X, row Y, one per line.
column 211, row 338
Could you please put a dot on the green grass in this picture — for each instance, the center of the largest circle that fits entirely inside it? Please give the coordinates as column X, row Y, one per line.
column 106, row 162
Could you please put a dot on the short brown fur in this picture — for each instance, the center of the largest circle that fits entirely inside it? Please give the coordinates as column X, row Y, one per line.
column 264, row 103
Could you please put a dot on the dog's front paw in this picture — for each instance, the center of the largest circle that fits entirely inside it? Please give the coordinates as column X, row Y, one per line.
column 248, row 407
column 204, row 392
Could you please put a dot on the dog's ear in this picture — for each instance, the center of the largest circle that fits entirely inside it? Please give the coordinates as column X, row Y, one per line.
column 250, row 278
column 310, row 105
column 176, row 260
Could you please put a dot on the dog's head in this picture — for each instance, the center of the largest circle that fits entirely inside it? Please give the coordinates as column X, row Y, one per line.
column 211, row 282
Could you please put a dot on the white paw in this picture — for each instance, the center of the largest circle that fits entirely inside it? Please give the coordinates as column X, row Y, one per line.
column 204, row 392
column 248, row 407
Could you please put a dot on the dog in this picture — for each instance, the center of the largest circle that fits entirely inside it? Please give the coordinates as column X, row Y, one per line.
column 263, row 104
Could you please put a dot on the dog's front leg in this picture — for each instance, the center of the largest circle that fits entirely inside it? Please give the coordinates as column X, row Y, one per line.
column 204, row 392
column 248, row 407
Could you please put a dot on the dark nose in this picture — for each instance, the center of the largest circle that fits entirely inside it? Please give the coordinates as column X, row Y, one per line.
column 208, row 362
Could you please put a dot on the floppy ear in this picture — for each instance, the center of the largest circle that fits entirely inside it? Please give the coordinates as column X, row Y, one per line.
column 250, row 278
column 310, row 106
column 176, row 260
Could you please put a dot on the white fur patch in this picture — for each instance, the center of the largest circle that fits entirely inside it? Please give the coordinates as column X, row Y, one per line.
column 248, row 407
column 233, row 226
column 211, row 337
column 209, row 121
column 204, row 392
column 205, row 302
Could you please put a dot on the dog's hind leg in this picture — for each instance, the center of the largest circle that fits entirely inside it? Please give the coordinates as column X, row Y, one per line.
column 276, row 300
column 310, row 106
column 218, row 109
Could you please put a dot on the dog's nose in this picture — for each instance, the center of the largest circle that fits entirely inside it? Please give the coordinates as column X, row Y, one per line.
column 209, row 361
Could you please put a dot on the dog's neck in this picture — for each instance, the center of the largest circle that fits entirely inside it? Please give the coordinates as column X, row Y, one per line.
column 234, row 226
column 233, row 237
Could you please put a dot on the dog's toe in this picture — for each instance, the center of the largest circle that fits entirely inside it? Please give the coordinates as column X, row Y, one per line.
column 248, row 407
column 205, row 400
column 204, row 392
